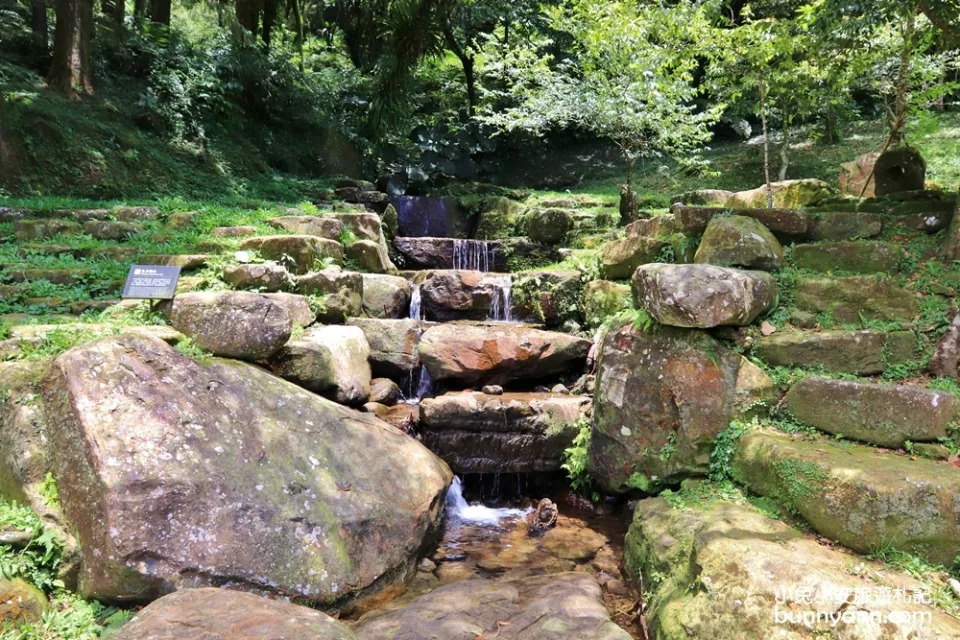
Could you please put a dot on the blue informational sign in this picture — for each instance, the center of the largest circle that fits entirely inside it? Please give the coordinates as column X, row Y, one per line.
column 151, row 282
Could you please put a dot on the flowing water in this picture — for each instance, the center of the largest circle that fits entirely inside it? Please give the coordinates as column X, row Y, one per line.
column 416, row 308
column 473, row 255
column 500, row 302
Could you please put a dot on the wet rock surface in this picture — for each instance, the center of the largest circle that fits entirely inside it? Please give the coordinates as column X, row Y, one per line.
column 509, row 432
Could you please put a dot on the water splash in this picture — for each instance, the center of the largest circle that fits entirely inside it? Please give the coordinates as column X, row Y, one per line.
column 501, row 301
column 459, row 510
column 416, row 309
column 474, row 255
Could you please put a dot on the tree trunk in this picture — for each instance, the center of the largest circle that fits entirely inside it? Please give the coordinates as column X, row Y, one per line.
column 139, row 10
column 903, row 81
column 470, row 76
column 107, row 7
column 298, row 24
column 160, row 11
column 766, row 138
column 269, row 17
column 119, row 13
column 38, row 23
column 785, row 152
column 70, row 70
column 9, row 166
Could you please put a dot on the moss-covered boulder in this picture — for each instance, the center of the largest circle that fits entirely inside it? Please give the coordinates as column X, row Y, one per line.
column 726, row 571
column 620, row 258
column 547, row 297
column 23, row 455
column 234, row 324
column 386, row 296
column 393, row 344
column 175, row 475
column 499, row 218
column 785, row 224
column 548, row 226
column 885, row 415
column 866, row 256
column 703, row 296
column 861, row 352
column 20, row 602
column 843, row 225
column 339, row 293
column 739, row 241
column 602, row 299
column 299, row 253
column 787, row 194
column 205, row 614
column 325, row 227
column 266, row 276
column 560, row 606
column 369, row 256
column 661, row 399
column 703, row 197
column 856, row 495
column 856, row 298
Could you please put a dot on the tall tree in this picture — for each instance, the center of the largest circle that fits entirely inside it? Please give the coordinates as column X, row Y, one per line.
column 71, row 72
column 38, row 24
column 160, row 11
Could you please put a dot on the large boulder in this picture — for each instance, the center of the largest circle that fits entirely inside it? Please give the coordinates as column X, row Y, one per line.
column 661, row 399
column 331, row 360
column 369, row 256
column 473, row 354
column 561, row 606
column 620, row 258
column 20, row 602
column 863, row 256
column 861, row 352
column 860, row 497
column 424, row 253
column 235, row 324
column 24, row 462
column 301, row 313
column 788, row 194
column 386, row 296
column 363, row 226
column 394, row 345
column 266, row 276
column 548, row 226
column 175, row 475
column 325, row 227
column 724, row 570
column 786, row 224
column 221, row 614
column 885, row 415
column 339, row 293
column 703, row 197
column 739, row 241
column 854, row 298
column 703, row 296
column 299, row 253
column 898, row 170
column 507, row 433
column 602, row 299
column 546, row 297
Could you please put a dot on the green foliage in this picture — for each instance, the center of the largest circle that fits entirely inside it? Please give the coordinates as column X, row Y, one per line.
column 39, row 561
column 190, row 349
column 575, row 458
column 724, row 448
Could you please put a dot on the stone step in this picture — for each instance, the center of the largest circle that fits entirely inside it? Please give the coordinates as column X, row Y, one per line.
column 476, row 432
column 714, row 568
column 864, row 256
column 856, row 495
column 880, row 414
column 122, row 214
column 299, row 253
column 187, row 262
column 322, row 226
column 850, row 299
column 788, row 225
column 860, row 352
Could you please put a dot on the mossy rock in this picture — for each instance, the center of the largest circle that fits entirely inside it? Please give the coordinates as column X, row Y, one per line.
column 620, row 258
column 739, row 241
column 603, row 299
column 853, row 257
column 860, row 352
column 856, row 495
column 855, row 298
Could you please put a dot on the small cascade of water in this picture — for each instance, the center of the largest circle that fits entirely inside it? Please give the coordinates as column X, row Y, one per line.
column 416, row 310
column 425, row 386
column 500, row 303
column 475, row 255
column 458, row 509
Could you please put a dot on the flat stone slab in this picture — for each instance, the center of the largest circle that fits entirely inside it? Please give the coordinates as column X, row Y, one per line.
column 562, row 606
column 220, row 614
column 498, row 354
column 843, row 225
column 853, row 298
column 856, row 495
column 756, row 577
column 325, row 227
column 885, row 415
column 786, row 224
column 864, row 256
column 862, row 352
column 620, row 258
column 509, row 433
column 703, row 296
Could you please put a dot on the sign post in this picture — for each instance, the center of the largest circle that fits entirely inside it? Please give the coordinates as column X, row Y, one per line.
column 151, row 282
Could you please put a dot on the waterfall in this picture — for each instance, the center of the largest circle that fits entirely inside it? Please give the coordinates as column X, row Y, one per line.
column 475, row 255
column 459, row 510
column 425, row 386
column 500, row 302
column 416, row 312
